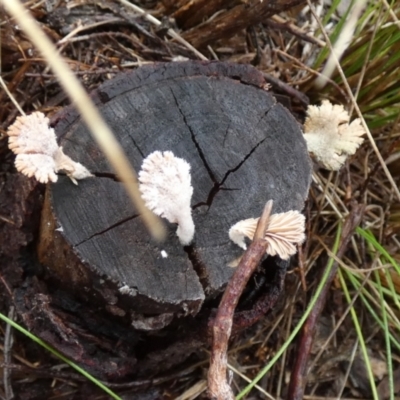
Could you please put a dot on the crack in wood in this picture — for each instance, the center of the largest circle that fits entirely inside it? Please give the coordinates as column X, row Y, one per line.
column 218, row 185
column 198, row 266
column 234, row 169
column 136, row 145
column 226, row 134
column 193, row 136
column 107, row 175
column 264, row 115
column 107, row 229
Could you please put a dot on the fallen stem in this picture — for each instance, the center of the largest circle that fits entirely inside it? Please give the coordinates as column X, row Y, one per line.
column 218, row 385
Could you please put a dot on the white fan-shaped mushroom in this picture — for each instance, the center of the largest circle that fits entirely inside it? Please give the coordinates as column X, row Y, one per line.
column 329, row 135
column 165, row 184
column 41, row 166
column 242, row 229
column 31, row 134
column 38, row 154
column 284, row 232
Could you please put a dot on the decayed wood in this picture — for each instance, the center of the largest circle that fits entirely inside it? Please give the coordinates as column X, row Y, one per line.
column 243, row 149
column 239, row 17
column 19, row 219
column 195, row 11
column 172, row 5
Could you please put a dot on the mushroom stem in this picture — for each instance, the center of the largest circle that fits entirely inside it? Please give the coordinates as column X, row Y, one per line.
column 73, row 169
column 185, row 231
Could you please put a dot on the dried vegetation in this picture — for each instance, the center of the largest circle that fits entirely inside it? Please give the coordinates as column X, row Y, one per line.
column 356, row 350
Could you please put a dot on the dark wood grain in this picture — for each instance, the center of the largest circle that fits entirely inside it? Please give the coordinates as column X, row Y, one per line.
column 242, row 15
column 243, row 149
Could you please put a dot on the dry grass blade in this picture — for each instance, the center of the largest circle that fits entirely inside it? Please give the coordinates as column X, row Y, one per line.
column 355, row 105
column 170, row 31
column 89, row 112
column 11, row 97
column 342, row 43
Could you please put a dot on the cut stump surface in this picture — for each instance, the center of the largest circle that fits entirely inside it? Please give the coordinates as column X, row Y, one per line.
column 243, row 148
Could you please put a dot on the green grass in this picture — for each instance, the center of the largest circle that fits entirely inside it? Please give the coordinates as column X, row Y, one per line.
column 379, row 97
column 374, row 301
column 60, row 356
column 387, row 337
column 378, row 301
column 360, row 336
column 297, row 328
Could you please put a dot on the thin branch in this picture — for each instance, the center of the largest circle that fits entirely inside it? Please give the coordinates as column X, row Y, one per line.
column 295, row 30
column 287, row 88
column 217, row 383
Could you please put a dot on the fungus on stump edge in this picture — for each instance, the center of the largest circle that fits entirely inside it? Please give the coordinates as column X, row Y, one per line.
column 243, row 149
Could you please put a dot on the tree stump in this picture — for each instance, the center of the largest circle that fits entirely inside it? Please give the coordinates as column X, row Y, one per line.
column 243, row 148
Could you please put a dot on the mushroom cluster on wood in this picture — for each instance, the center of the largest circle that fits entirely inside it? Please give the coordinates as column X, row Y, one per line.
column 284, row 232
column 166, row 188
column 38, row 154
column 243, row 149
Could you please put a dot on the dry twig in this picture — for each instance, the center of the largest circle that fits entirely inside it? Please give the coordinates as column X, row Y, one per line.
column 217, row 383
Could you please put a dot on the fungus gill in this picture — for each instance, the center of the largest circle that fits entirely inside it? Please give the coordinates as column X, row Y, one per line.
column 38, row 153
